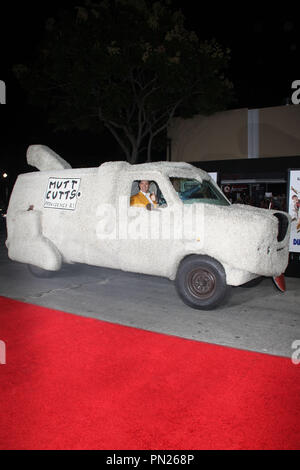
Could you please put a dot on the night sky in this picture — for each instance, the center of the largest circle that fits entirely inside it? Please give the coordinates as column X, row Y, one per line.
column 265, row 50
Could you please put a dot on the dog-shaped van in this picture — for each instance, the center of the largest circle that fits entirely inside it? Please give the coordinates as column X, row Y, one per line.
column 192, row 235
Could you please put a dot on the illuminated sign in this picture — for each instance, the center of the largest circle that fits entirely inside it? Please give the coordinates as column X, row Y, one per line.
column 2, row 92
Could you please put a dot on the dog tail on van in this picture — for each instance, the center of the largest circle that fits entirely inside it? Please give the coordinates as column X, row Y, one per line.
column 43, row 158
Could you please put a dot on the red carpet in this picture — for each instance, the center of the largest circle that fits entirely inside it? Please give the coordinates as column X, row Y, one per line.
column 76, row 383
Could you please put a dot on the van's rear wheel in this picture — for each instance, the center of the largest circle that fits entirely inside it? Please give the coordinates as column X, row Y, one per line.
column 201, row 282
column 40, row 272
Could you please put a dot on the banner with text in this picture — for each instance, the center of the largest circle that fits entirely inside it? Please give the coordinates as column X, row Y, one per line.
column 294, row 209
column 62, row 193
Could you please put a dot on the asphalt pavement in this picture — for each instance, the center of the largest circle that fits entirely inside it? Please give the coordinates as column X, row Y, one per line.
column 259, row 319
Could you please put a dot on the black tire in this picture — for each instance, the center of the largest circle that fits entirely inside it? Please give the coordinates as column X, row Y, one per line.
column 201, row 282
column 40, row 272
column 253, row 283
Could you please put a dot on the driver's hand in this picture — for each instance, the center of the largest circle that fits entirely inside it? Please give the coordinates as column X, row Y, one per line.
column 153, row 197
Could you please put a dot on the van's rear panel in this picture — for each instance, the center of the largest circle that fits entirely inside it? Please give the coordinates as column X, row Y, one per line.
column 51, row 209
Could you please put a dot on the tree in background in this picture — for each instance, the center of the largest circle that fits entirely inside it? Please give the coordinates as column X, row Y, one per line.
column 128, row 65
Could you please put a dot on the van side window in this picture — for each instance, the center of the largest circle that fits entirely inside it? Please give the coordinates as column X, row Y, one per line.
column 144, row 192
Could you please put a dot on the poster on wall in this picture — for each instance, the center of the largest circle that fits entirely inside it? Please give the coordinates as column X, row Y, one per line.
column 294, row 209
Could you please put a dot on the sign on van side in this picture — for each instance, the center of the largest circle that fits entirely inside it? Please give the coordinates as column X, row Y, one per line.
column 62, row 193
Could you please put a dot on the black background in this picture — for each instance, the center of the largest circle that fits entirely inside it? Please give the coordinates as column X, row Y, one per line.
column 265, row 50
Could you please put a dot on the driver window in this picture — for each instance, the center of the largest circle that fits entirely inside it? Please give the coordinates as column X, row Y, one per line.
column 146, row 193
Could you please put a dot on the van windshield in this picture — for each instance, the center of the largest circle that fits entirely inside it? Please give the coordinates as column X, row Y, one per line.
column 191, row 190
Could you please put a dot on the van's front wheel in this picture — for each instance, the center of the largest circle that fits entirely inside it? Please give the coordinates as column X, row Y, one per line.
column 201, row 282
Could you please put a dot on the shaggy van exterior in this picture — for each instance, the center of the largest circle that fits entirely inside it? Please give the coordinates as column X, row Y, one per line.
column 190, row 233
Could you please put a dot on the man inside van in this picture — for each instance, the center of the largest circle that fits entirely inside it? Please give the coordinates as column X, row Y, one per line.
column 143, row 197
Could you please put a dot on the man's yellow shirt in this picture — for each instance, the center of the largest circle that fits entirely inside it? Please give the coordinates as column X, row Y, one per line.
column 139, row 200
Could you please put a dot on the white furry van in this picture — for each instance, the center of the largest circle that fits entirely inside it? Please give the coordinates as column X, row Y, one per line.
column 192, row 235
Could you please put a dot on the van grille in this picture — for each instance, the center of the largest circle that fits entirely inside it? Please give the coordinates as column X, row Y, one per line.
column 283, row 225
